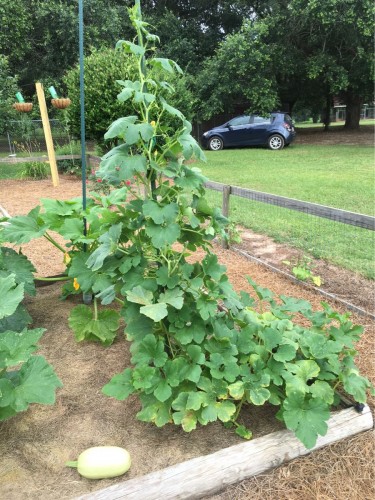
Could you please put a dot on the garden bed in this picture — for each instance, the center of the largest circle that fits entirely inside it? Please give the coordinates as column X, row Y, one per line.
column 35, row 445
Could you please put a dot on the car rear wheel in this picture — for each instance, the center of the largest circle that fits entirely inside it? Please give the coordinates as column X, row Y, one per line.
column 215, row 143
column 276, row 142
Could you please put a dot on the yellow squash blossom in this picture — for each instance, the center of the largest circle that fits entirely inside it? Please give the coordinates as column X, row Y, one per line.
column 67, row 258
column 75, row 284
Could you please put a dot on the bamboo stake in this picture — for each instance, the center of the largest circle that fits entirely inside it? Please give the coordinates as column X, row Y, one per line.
column 47, row 134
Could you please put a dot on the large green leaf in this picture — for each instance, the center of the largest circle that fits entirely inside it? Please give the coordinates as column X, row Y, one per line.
column 160, row 214
column 154, row 411
column 357, row 386
column 86, row 327
column 130, row 47
column 155, row 311
column 108, row 246
column 120, row 386
column 163, row 235
column 119, row 127
column 36, row 383
column 173, row 297
column 306, row 417
column 72, row 229
column 79, row 270
column 139, row 295
column 150, row 350
column 11, row 295
column 212, row 268
column 190, row 179
column 166, row 64
column 18, row 347
column 120, row 165
column 25, row 228
column 16, row 321
column 62, row 207
column 171, row 110
column 19, row 265
column 299, row 374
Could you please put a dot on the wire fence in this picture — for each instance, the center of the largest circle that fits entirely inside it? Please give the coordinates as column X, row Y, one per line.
column 343, row 238
column 28, row 133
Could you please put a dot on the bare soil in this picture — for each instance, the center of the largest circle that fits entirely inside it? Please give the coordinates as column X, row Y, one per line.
column 35, row 445
column 336, row 135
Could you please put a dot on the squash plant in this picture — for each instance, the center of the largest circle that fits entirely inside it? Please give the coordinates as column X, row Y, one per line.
column 200, row 352
column 24, row 378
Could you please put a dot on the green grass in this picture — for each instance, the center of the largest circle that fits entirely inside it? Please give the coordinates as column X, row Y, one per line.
column 10, row 170
column 337, row 176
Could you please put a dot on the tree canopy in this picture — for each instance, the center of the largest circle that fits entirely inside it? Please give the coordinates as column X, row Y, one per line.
column 249, row 54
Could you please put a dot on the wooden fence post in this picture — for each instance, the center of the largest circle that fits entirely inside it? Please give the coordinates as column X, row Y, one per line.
column 225, row 209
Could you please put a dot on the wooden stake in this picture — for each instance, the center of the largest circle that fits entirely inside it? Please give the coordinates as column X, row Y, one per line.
column 47, row 133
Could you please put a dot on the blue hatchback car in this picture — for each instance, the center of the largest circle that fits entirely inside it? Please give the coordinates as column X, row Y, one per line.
column 274, row 131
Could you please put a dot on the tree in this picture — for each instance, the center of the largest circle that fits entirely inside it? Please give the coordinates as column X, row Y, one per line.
column 42, row 36
column 8, row 89
column 301, row 50
column 239, row 75
column 190, row 30
column 334, row 43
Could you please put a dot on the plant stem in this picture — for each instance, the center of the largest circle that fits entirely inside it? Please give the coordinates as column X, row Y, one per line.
column 95, row 309
column 54, row 243
column 238, row 409
column 165, row 331
column 61, row 278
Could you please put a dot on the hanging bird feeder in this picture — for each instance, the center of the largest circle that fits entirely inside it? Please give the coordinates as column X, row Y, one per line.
column 61, row 103
column 58, row 102
column 21, row 105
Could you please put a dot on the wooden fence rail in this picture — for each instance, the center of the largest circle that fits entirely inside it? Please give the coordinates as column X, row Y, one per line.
column 335, row 214
column 14, row 159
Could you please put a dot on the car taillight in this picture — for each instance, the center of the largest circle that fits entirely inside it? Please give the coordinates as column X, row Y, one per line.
column 287, row 126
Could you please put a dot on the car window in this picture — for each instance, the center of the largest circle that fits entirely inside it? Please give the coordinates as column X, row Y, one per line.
column 262, row 119
column 288, row 119
column 239, row 120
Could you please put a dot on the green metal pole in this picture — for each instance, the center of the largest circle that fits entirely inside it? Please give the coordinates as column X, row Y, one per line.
column 82, row 102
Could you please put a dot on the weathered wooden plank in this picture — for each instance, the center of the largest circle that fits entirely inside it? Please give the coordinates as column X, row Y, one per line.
column 14, row 159
column 225, row 209
column 216, row 186
column 208, row 474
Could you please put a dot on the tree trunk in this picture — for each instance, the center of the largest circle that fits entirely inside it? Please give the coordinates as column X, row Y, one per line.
column 353, row 111
column 327, row 112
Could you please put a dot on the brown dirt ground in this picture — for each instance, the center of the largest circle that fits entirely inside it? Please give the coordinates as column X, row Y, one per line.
column 35, row 445
column 336, row 135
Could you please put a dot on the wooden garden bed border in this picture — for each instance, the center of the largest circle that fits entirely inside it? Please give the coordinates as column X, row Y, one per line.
column 209, row 474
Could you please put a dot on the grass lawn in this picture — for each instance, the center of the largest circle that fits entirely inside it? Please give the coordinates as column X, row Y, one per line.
column 337, row 176
column 10, row 170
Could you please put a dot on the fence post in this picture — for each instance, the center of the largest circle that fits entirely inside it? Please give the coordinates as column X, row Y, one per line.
column 225, row 209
